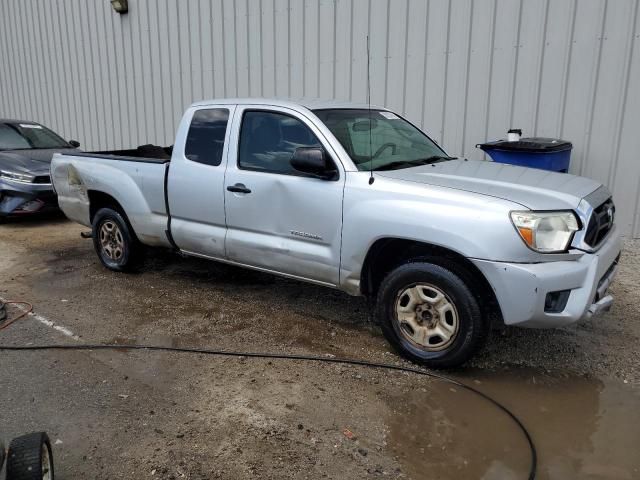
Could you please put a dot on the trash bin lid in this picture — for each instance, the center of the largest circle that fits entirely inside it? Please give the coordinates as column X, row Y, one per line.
column 530, row 144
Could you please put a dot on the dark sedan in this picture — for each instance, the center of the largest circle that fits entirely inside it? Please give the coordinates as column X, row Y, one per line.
column 26, row 149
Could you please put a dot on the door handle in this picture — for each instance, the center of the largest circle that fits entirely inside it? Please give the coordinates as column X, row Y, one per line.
column 238, row 188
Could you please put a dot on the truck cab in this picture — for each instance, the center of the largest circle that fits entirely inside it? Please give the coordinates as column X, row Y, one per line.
column 245, row 202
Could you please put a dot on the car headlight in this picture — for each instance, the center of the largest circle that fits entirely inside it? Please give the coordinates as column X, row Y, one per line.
column 16, row 177
column 546, row 232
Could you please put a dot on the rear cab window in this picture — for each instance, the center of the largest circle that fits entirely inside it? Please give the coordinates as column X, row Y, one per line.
column 205, row 139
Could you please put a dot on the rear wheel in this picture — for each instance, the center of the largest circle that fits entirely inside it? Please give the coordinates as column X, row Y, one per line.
column 430, row 315
column 30, row 458
column 114, row 241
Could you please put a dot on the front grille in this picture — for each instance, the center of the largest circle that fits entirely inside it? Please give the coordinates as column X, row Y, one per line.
column 600, row 223
column 42, row 179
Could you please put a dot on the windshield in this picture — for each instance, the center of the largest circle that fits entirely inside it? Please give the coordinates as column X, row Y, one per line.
column 22, row 136
column 393, row 143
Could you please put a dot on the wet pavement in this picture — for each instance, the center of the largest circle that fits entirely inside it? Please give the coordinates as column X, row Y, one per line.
column 126, row 414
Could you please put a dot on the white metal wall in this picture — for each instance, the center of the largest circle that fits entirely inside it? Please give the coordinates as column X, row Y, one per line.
column 465, row 70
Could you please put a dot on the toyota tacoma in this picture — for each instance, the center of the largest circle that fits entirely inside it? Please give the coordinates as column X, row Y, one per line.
column 357, row 198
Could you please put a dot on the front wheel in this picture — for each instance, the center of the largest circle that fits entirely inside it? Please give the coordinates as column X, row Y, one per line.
column 114, row 241
column 430, row 315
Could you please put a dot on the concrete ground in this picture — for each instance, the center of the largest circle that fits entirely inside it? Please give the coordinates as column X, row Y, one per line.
column 125, row 415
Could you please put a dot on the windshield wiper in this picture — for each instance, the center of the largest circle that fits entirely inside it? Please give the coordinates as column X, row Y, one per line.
column 414, row 163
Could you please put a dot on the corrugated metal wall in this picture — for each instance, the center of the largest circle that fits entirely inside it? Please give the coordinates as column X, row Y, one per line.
column 465, row 70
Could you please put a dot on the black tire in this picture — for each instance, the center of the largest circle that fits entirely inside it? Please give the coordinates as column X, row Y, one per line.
column 25, row 458
column 471, row 327
column 127, row 255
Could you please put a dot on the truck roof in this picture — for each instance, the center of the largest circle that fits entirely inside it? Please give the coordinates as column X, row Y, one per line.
column 310, row 103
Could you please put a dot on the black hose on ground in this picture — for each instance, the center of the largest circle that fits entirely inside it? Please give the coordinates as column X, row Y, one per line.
column 309, row 358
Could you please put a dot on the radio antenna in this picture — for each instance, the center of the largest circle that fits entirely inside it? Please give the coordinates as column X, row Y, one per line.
column 371, row 177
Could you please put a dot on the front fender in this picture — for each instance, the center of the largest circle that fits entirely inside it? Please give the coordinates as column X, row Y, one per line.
column 470, row 224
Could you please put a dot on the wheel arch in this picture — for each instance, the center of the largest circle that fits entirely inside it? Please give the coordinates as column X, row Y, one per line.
column 387, row 253
column 98, row 200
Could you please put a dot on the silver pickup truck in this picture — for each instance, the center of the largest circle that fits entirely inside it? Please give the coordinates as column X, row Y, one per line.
column 361, row 200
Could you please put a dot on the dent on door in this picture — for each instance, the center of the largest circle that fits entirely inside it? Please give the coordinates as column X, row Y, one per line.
column 278, row 219
column 288, row 224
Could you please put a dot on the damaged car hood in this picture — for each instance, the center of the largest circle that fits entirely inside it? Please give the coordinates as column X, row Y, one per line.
column 32, row 161
column 530, row 187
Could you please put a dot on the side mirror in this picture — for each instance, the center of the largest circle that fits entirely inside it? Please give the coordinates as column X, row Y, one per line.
column 313, row 161
column 74, row 143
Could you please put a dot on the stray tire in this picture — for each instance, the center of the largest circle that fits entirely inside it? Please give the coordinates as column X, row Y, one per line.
column 30, row 458
column 114, row 241
column 430, row 316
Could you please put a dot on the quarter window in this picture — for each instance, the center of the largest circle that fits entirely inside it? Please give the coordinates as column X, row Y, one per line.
column 268, row 140
column 205, row 140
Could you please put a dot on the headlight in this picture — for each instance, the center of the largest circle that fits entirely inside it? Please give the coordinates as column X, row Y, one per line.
column 546, row 232
column 16, row 177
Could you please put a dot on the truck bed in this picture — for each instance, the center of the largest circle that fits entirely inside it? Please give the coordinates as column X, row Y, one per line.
column 144, row 153
column 126, row 158
column 134, row 179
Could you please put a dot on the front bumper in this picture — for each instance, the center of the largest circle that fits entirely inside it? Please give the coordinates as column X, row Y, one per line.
column 28, row 199
column 522, row 288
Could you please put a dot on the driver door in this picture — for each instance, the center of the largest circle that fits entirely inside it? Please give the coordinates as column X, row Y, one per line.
column 279, row 219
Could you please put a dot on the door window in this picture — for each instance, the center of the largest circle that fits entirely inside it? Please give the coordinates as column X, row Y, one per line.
column 268, row 140
column 205, row 140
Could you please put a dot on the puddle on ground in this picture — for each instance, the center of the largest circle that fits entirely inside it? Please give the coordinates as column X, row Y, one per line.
column 583, row 428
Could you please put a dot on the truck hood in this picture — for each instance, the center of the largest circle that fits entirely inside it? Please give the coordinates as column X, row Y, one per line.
column 32, row 161
column 530, row 187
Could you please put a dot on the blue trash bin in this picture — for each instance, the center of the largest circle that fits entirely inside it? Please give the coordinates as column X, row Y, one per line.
column 535, row 152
